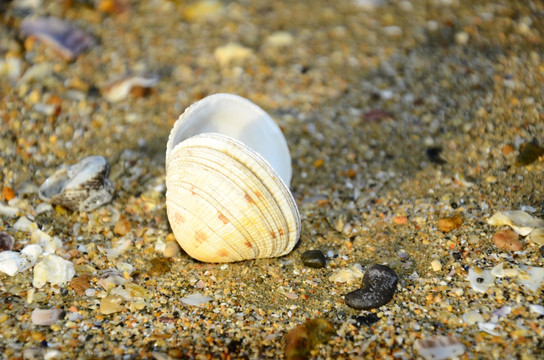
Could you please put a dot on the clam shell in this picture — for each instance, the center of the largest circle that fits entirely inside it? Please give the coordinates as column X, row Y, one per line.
column 225, row 200
column 83, row 186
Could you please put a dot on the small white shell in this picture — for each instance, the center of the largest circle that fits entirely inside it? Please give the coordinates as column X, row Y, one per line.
column 227, row 166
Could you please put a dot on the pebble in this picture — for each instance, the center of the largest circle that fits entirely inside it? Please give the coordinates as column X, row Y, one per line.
column 111, row 304
column 11, row 262
column 480, row 280
column 541, row 250
column 279, row 39
column 450, row 223
column 439, row 347
column 203, row 9
column 347, row 275
column 49, row 244
column 300, row 341
column 172, row 249
column 25, row 225
column 122, row 227
column 539, row 309
column 32, row 252
column 436, row 265
column 6, row 241
column 60, row 35
column 45, row 317
column 231, row 53
column 472, row 317
column 83, row 186
column 507, row 240
column 379, row 286
column 52, row 269
column 314, row 259
column 529, row 153
column 195, row 299
column 8, row 211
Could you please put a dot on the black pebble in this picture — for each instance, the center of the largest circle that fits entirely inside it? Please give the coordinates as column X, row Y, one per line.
column 433, row 154
column 379, row 286
column 367, row 320
column 541, row 249
column 314, row 259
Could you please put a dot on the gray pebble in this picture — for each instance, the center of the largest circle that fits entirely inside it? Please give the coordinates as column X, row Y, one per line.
column 379, row 286
column 6, row 241
column 314, row 259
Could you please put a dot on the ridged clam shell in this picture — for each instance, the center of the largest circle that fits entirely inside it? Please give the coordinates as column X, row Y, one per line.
column 226, row 202
column 83, row 186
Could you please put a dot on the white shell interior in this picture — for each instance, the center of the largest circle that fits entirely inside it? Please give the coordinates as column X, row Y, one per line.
column 239, row 118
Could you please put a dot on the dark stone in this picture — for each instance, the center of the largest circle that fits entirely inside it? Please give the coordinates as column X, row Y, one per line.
column 379, row 286
column 541, row 249
column 6, row 241
column 529, row 153
column 314, row 259
column 367, row 320
column 433, row 154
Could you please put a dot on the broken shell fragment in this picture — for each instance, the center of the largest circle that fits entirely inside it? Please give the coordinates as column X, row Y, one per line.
column 228, row 170
column 83, row 186
column 120, row 89
column 67, row 40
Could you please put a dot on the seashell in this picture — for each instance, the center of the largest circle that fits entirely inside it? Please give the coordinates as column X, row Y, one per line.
column 119, row 89
column 67, row 40
column 228, row 170
column 83, row 186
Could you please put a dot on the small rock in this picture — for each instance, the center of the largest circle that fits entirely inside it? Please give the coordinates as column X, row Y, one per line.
column 232, row 53
column 159, row 266
column 195, row 299
column 300, row 341
column 314, row 259
column 111, row 304
column 122, row 227
column 52, row 269
column 172, row 249
column 6, row 241
column 32, row 252
column 507, row 240
column 23, row 224
column 529, row 153
column 379, row 286
column 539, row 309
column 203, row 9
column 45, row 317
column 541, row 249
column 436, row 265
column 439, row 347
column 500, row 272
column 522, row 222
column 450, row 223
column 353, row 273
column 473, row 317
column 279, row 39
column 480, row 280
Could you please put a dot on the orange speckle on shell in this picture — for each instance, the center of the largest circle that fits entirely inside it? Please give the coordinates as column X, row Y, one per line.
column 248, row 244
column 200, row 237
column 281, row 232
column 248, row 198
column 222, row 253
column 180, row 219
column 273, row 234
column 223, row 218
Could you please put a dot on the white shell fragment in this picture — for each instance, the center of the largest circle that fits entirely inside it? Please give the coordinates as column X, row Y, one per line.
column 83, row 186
column 533, row 278
column 228, row 170
column 347, row 275
column 195, row 299
column 11, row 262
column 52, row 269
column 472, row 317
column 45, row 317
column 119, row 89
column 522, row 222
column 480, row 280
column 439, row 347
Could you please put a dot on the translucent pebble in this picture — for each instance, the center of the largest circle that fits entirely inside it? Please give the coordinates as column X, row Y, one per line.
column 52, row 269
column 195, row 299
column 32, row 252
column 23, row 224
column 539, row 309
column 473, row 317
column 11, row 262
column 439, row 347
column 351, row 274
column 488, row 328
column 480, row 280
column 45, row 317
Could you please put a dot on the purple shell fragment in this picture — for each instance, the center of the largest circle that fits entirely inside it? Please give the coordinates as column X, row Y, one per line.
column 60, row 35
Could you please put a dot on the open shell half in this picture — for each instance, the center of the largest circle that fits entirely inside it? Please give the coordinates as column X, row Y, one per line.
column 227, row 174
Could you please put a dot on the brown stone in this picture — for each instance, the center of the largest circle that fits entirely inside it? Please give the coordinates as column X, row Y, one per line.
column 507, row 240
column 450, row 223
column 122, row 227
